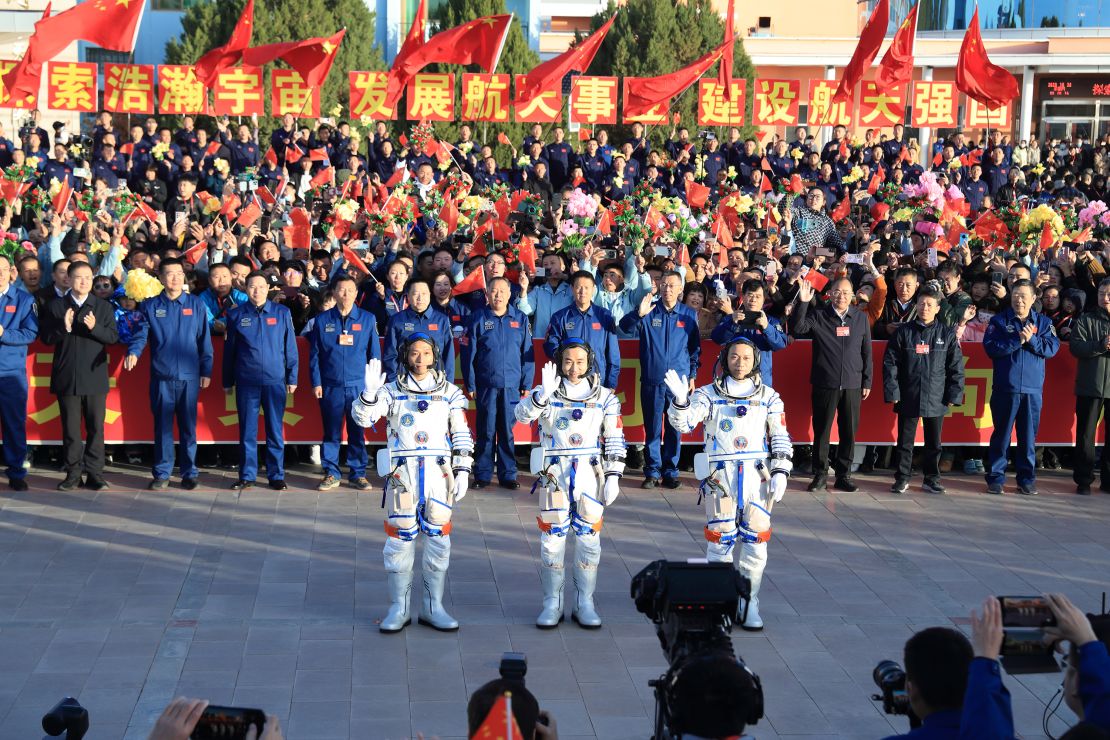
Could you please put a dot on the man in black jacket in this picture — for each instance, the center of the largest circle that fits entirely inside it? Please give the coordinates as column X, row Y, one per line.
column 923, row 374
column 840, row 375
column 80, row 326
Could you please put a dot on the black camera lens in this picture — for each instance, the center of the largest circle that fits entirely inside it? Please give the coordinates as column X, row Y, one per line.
column 887, row 672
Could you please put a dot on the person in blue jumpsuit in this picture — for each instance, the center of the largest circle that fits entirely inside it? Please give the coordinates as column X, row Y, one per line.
column 342, row 340
column 1018, row 340
column 175, row 324
column 420, row 316
column 669, row 339
column 591, row 323
column 260, row 365
column 19, row 325
column 764, row 331
column 498, row 366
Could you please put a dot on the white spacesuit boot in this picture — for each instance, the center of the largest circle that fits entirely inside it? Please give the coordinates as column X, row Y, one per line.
column 752, row 561
column 587, row 555
column 437, row 554
column 399, row 557
column 552, row 578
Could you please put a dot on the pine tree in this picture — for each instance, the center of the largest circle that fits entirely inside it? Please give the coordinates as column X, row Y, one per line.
column 656, row 37
column 207, row 25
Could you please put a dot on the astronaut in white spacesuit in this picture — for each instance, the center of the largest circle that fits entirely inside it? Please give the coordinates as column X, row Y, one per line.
column 746, row 462
column 578, row 466
column 426, row 464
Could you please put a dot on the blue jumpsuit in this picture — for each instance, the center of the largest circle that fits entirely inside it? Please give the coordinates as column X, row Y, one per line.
column 21, row 325
column 431, row 322
column 596, row 328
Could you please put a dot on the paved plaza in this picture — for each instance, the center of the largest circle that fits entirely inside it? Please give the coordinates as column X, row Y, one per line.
column 127, row 598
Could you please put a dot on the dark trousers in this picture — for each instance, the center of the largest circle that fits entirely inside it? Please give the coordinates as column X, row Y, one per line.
column 494, row 430
column 249, row 399
column 1087, row 411
column 169, row 400
column 335, row 410
column 91, row 410
column 662, row 442
column 844, row 404
column 930, row 462
column 13, row 424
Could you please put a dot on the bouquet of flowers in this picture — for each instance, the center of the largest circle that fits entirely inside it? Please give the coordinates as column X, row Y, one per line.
column 740, row 202
column 25, row 172
column 160, row 150
column 574, row 231
column 1031, row 225
column 854, row 176
column 140, row 285
column 346, row 210
column 421, row 136
column 1095, row 217
column 13, row 249
column 123, row 204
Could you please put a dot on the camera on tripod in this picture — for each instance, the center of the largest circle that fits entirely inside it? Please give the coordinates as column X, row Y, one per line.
column 707, row 690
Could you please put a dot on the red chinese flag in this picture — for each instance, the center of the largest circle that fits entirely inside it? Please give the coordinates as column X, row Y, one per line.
column 988, row 226
column 642, row 94
column 870, row 40
column 585, row 134
column 942, row 245
column 212, row 150
column 209, row 66
column 142, row 210
column 683, row 257
column 896, row 67
column 1047, row 237
column 879, row 211
column 696, row 194
column 549, row 75
column 230, row 205
column 323, row 177
column 843, row 208
column 61, row 200
column 527, row 254
column 354, row 260
column 449, row 215
column 724, row 71
column 298, row 235
column 977, row 76
column 844, row 150
column 816, row 279
column 500, row 724
column 955, row 231
column 265, row 195
column 765, row 185
column 605, row 222
column 654, row 220
column 195, row 252
column 476, row 280
column 503, row 138
column 10, row 191
column 318, row 155
column 271, row 157
column 723, row 234
column 249, row 215
column 502, row 207
column 796, row 186
column 293, row 154
column 399, row 176
column 937, row 159
column 311, row 58
column 875, row 183
column 477, row 42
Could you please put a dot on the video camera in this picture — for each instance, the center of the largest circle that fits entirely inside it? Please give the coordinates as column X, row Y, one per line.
column 890, row 677
column 693, row 607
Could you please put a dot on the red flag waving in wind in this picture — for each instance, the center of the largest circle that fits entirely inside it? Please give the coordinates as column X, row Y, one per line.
column 479, row 42
column 227, row 56
column 549, row 75
column 311, row 58
column 476, row 280
column 977, row 76
column 896, row 67
column 870, row 39
column 696, row 194
column 61, row 200
column 641, row 94
column 724, row 72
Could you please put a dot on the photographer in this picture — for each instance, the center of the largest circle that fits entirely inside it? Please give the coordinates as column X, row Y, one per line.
column 1087, row 680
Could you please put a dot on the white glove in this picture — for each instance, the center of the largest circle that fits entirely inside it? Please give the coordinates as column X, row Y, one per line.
column 462, row 482
column 549, row 382
column 612, row 489
column 678, row 386
column 778, row 487
column 374, row 379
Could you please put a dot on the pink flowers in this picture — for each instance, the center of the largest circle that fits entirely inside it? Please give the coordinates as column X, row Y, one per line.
column 580, row 205
column 1096, row 211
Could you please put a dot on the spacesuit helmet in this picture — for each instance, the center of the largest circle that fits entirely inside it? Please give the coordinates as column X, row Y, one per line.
column 403, row 364
column 576, row 343
column 723, row 369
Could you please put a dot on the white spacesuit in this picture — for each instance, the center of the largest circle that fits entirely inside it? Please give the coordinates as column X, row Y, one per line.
column 426, row 464
column 746, row 462
column 578, row 469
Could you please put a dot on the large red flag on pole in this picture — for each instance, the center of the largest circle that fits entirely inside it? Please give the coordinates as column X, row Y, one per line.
column 311, row 58
column 977, row 76
column 896, row 67
column 724, row 72
column 549, row 75
column 870, row 40
column 641, row 94
column 209, row 66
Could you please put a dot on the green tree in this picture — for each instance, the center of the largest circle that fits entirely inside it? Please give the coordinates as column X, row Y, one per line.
column 656, row 37
column 516, row 58
column 207, row 25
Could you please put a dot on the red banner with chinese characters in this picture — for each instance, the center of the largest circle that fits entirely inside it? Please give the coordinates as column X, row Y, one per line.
column 431, row 97
column 933, row 104
column 880, row 107
column 593, row 100
column 128, row 417
column 7, row 65
column 547, row 107
column 824, row 112
column 289, row 94
column 179, row 91
column 485, row 98
column 71, row 86
column 714, row 109
column 238, row 92
column 980, row 116
column 368, row 95
column 129, row 88
column 776, row 102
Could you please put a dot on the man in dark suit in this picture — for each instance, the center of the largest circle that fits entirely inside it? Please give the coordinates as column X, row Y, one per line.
column 80, row 327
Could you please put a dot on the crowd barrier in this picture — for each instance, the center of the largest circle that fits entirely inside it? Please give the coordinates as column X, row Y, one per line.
column 128, row 417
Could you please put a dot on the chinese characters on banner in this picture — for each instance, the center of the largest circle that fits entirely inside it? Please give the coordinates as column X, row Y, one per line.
column 547, row 107
column 180, row 92
column 822, row 111
column 593, row 100
column 485, row 98
column 6, row 65
column 776, row 102
column 934, row 104
column 714, row 109
column 289, row 94
column 980, row 116
column 368, row 95
column 129, row 88
column 238, row 92
column 881, row 108
column 71, row 86
column 431, row 97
